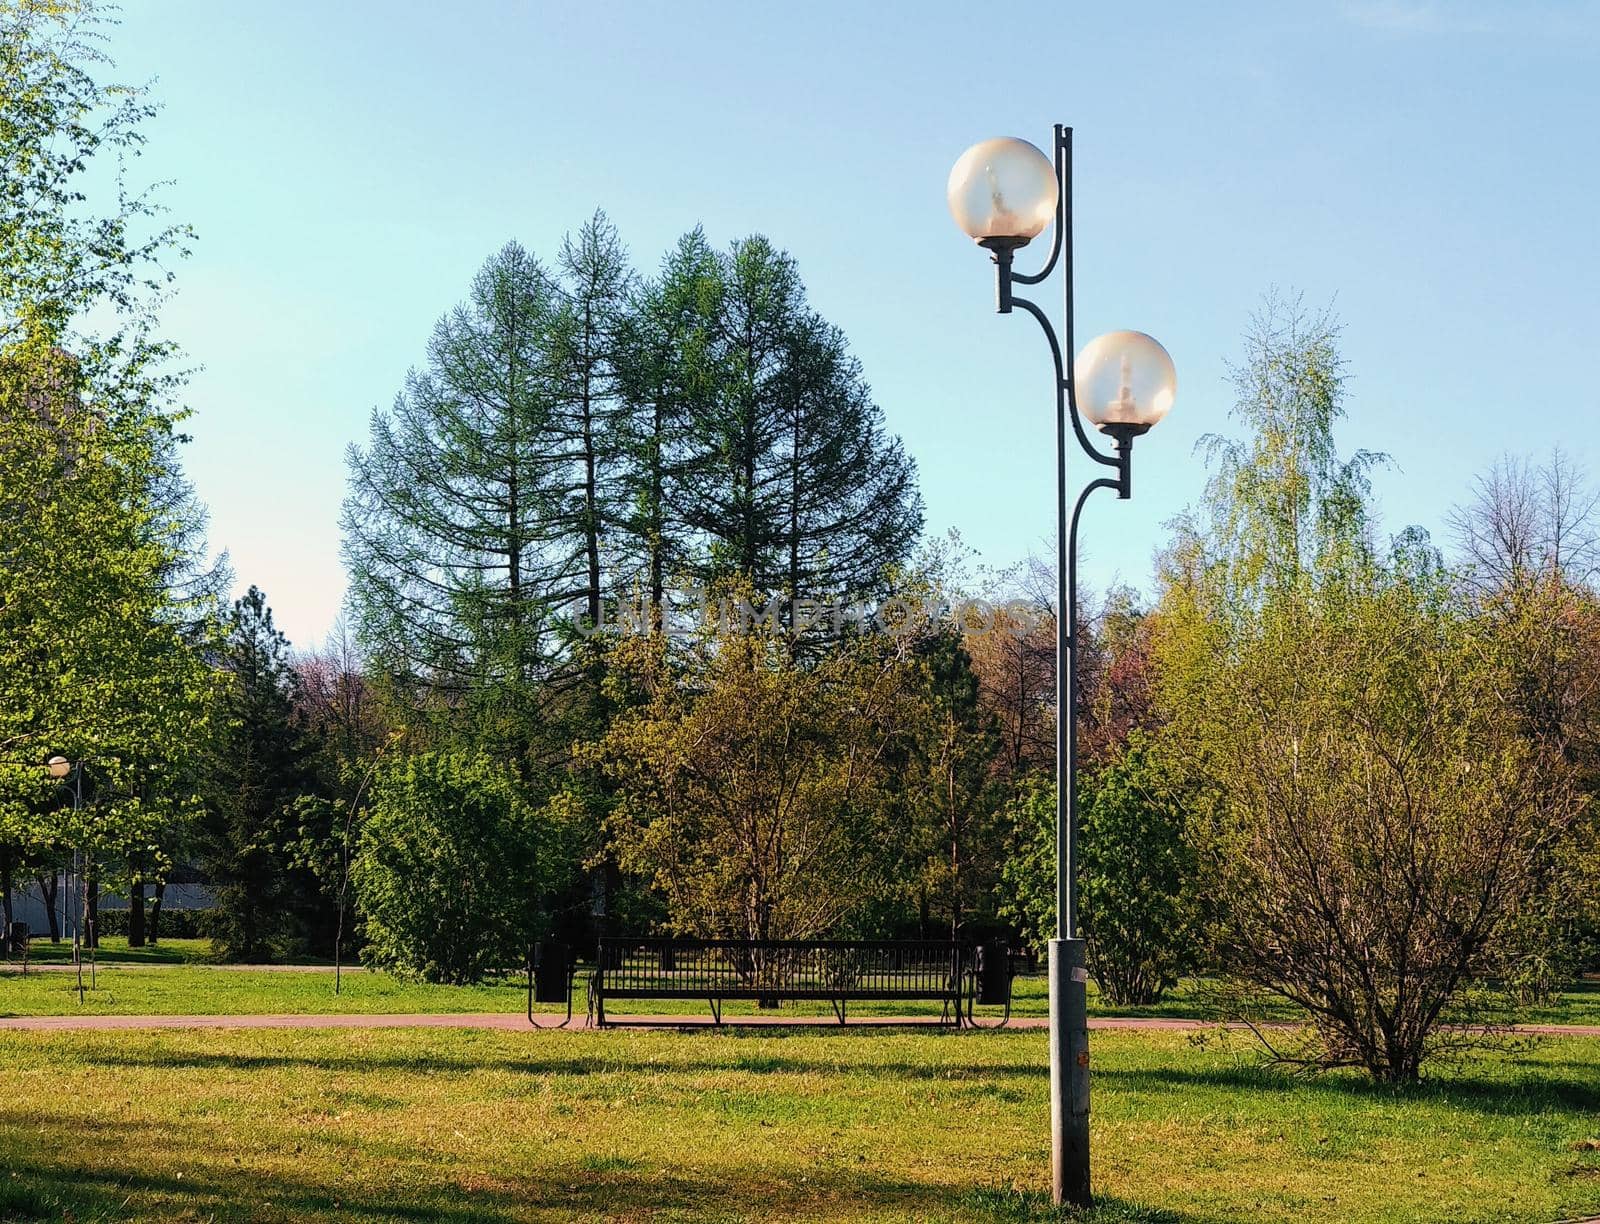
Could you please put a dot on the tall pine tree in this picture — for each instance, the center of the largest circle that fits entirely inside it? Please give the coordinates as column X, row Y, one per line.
column 258, row 766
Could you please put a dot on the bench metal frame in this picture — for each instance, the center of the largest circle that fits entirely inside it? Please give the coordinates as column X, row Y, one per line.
column 838, row 971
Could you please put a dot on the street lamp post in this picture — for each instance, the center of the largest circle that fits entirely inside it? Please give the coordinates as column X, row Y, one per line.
column 1004, row 193
column 60, row 768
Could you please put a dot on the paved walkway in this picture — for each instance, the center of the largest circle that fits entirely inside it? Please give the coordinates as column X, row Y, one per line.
column 516, row 1021
column 15, row 967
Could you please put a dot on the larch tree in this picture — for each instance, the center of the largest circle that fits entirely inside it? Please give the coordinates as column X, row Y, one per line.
column 668, row 380
column 792, row 483
column 459, row 554
column 846, row 490
column 595, row 281
column 730, row 493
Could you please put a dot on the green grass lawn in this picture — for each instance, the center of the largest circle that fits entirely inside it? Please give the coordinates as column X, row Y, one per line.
column 124, row 988
column 861, row 1125
column 211, row 990
column 1578, row 1004
column 114, row 950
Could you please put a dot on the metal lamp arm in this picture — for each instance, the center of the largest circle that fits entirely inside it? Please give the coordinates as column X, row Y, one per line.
column 1006, row 275
column 1065, row 401
column 1104, row 482
column 1063, row 207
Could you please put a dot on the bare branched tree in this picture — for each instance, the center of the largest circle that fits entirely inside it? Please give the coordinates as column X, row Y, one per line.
column 1525, row 519
column 1387, row 836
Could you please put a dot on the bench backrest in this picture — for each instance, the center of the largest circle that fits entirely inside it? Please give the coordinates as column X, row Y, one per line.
column 794, row 969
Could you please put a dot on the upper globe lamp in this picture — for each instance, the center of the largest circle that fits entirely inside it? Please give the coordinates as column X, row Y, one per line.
column 1124, row 382
column 58, row 766
column 1003, row 192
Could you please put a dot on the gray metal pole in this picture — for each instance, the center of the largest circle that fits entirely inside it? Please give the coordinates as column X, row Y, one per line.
column 1068, row 972
column 77, row 871
column 1069, row 1006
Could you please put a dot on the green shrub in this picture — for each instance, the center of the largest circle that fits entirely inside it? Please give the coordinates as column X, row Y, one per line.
column 1136, row 874
column 447, row 872
column 175, row 923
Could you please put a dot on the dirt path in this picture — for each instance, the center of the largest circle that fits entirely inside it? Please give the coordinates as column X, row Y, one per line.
column 514, row 1021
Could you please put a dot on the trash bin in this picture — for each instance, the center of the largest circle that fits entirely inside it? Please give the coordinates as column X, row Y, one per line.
column 16, row 939
column 994, row 974
column 551, row 960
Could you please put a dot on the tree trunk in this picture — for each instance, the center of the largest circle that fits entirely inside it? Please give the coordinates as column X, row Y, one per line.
column 155, row 912
column 136, row 914
column 91, row 906
column 591, row 497
column 50, row 890
column 657, row 519
column 5, row 896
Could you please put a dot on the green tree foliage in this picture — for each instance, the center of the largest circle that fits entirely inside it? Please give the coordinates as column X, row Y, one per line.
column 1376, row 818
column 668, row 380
column 455, row 572
column 791, row 482
column 451, row 868
column 594, row 283
column 756, row 795
column 576, row 441
column 1137, row 875
column 60, row 255
column 754, row 450
column 1027, row 890
column 950, row 791
column 1529, row 540
column 569, row 435
column 100, row 625
column 258, row 767
column 1140, row 909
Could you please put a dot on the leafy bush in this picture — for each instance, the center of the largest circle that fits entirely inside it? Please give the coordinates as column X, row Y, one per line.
column 448, row 870
column 1135, row 873
column 1137, row 876
column 175, row 923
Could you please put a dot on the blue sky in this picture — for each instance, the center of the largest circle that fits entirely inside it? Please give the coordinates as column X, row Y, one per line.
column 1430, row 169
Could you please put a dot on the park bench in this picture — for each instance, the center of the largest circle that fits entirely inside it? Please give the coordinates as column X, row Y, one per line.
column 769, row 972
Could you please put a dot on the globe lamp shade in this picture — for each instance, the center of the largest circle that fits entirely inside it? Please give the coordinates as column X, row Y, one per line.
column 1124, row 382
column 1003, row 192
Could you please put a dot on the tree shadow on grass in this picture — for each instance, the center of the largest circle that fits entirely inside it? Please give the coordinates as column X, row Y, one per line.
column 1525, row 1087
column 1546, row 1089
column 52, row 1178
column 618, row 1062
column 1514, row 1095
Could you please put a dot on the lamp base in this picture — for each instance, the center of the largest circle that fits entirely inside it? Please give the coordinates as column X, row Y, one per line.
column 1000, row 244
column 1123, row 431
column 1069, row 1073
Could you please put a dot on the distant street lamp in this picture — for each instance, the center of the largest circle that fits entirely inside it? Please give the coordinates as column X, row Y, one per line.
column 59, row 769
column 1004, row 193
